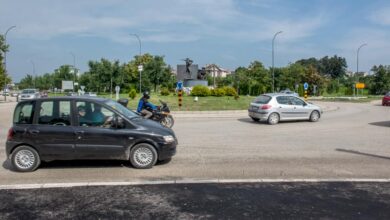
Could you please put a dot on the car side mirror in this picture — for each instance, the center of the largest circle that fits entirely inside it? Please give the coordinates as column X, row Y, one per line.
column 119, row 122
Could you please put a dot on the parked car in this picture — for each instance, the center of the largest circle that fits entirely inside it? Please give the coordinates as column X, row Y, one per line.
column 386, row 99
column 287, row 91
column 92, row 94
column 29, row 94
column 78, row 128
column 277, row 107
column 15, row 93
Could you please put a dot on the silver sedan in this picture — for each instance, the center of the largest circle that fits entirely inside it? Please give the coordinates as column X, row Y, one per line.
column 275, row 107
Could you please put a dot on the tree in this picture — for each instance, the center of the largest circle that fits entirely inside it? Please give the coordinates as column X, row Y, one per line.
column 4, row 77
column 381, row 81
column 334, row 67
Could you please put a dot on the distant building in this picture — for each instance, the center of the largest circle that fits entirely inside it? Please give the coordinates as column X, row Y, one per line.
column 216, row 71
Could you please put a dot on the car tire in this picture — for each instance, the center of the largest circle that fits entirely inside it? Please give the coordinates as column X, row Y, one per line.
column 143, row 156
column 314, row 116
column 255, row 119
column 273, row 118
column 25, row 159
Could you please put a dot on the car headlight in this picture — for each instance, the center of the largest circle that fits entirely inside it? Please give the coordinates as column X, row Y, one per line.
column 169, row 138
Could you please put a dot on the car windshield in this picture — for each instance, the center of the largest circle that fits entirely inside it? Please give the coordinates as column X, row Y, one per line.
column 263, row 99
column 125, row 111
column 28, row 91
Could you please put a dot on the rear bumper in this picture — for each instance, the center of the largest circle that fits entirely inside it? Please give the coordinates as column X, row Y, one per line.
column 262, row 115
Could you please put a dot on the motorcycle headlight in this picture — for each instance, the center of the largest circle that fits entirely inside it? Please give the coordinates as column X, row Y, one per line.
column 169, row 139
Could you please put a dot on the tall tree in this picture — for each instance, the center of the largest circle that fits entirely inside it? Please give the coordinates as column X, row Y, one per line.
column 4, row 77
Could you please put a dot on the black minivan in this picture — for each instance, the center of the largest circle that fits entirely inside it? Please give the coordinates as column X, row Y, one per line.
column 78, row 128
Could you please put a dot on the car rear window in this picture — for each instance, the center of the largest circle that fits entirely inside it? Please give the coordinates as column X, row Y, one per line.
column 24, row 113
column 263, row 99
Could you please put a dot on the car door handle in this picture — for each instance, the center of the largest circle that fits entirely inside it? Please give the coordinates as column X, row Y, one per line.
column 79, row 132
column 34, row 131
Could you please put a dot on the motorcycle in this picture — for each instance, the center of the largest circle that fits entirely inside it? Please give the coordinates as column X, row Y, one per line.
column 161, row 115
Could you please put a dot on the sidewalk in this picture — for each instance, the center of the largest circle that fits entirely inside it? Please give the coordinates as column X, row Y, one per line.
column 326, row 107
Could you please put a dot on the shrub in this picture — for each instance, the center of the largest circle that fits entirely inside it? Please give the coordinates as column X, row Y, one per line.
column 212, row 92
column 229, row 91
column 132, row 93
column 164, row 91
column 200, row 90
column 219, row 92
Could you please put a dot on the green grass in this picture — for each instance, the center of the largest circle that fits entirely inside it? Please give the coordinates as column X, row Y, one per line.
column 203, row 104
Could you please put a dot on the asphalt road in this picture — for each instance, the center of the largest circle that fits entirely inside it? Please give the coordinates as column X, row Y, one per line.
column 352, row 142
column 202, row 201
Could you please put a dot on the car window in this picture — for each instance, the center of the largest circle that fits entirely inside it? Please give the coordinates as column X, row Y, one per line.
column 93, row 115
column 55, row 113
column 283, row 100
column 296, row 101
column 24, row 113
column 263, row 99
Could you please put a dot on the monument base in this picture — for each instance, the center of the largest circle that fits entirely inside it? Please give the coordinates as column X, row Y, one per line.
column 194, row 82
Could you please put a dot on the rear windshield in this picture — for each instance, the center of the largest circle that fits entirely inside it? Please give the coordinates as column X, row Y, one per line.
column 24, row 113
column 263, row 99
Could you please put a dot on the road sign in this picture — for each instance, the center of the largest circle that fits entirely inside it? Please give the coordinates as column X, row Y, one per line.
column 117, row 88
column 82, row 87
column 360, row 85
column 305, row 85
column 67, row 85
column 179, row 85
column 140, row 68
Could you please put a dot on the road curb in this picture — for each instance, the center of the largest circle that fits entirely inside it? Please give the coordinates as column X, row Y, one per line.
column 188, row 181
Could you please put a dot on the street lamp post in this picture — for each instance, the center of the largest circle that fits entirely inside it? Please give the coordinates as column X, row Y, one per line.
column 74, row 68
column 35, row 78
column 357, row 63
column 140, row 67
column 273, row 74
column 5, row 61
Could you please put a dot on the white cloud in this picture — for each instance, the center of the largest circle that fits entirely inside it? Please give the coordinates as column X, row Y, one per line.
column 381, row 16
column 171, row 20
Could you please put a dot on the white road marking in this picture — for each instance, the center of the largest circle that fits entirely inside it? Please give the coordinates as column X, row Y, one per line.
column 187, row 181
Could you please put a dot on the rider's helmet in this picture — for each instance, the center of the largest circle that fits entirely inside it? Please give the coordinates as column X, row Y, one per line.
column 146, row 95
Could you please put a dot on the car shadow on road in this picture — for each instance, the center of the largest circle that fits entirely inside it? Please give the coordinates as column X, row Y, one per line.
column 250, row 121
column 381, row 123
column 362, row 153
column 69, row 164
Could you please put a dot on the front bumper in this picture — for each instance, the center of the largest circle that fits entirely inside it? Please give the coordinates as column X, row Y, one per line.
column 166, row 150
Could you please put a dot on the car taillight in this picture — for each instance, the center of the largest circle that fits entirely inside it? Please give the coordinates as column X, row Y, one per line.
column 10, row 134
column 264, row 107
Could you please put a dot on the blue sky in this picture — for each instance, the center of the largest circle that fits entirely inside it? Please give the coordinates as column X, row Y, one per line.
column 230, row 33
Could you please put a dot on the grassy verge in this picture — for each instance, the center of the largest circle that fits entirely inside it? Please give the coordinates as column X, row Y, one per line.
column 212, row 103
column 203, row 104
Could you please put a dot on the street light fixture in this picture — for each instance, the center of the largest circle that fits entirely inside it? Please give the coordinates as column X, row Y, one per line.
column 140, row 67
column 357, row 63
column 5, row 61
column 273, row 74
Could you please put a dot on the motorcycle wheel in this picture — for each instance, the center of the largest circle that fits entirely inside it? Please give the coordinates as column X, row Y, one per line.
column 168, row 121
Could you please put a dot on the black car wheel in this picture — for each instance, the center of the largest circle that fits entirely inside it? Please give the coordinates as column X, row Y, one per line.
column 25, row 159
column 143, row 156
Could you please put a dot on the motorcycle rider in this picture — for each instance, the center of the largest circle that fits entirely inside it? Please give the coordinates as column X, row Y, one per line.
column 144, row 105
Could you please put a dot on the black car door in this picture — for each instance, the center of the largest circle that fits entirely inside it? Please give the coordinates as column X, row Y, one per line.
column 53, row 132
column 95, row 137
